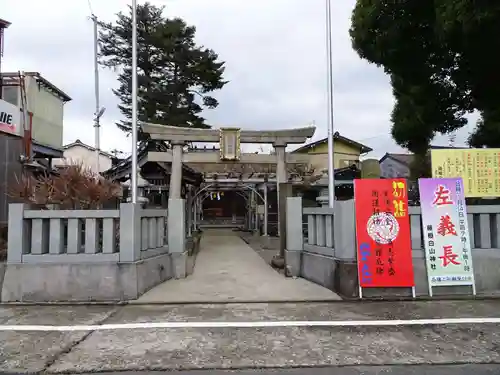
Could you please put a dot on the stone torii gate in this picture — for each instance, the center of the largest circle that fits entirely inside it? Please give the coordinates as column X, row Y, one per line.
column 230, row 150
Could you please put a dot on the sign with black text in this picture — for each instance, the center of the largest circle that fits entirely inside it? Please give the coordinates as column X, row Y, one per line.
column 10, row 118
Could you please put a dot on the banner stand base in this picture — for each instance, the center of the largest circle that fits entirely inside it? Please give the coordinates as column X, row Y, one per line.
column 473, row 286
column 413, row 292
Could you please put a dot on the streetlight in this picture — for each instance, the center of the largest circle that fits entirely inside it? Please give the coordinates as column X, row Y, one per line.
column 134, row 101
column 331, row 167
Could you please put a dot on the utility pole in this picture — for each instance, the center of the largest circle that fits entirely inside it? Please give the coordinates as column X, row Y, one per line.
column 3, row 25
column 98, row 110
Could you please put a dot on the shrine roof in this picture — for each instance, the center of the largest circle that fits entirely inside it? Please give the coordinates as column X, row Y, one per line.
column 124, row 167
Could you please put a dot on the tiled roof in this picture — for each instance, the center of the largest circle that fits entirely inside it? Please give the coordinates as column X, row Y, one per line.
column 408, row 158
column 402, row 158
column 339, row 138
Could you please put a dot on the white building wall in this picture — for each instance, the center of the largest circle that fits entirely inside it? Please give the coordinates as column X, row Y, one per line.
column 48, row 113
column 47, row 109
column 79, row 154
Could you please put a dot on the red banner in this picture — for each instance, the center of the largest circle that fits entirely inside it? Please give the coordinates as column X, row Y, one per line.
column 383, row 233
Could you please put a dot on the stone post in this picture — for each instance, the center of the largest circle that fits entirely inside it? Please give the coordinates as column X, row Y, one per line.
column 18, row 235
column 344, row 242
column 130, row 229
column 284, row 192
column 294, row 236
column 250, row 211
column 176, row 171
column 177, row 237
column 345, row 230
column 281, row 175
column 254, row 200
column 266, row 204
column 195, row 213
column 189, row 213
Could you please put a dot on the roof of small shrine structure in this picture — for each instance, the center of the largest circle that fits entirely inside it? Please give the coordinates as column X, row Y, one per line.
column 148, row 169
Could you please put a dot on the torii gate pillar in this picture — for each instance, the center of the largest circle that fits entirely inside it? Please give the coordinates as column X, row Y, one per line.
column 176, row 171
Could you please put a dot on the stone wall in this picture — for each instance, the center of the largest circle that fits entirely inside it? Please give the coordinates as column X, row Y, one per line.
column 326, row 253
column 94, row 255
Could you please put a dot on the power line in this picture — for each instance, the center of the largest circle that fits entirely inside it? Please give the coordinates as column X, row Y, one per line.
column 376, row 136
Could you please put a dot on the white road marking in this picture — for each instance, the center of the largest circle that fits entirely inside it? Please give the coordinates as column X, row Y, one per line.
column 251, row 324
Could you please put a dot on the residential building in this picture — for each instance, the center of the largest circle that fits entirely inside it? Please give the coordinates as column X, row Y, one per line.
column 79, row 152
column 346, row 152
column 45, row 105
column 394, row 165
column 27, row 146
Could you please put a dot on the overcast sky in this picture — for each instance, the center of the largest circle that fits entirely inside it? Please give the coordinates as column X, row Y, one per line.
column 275, row 62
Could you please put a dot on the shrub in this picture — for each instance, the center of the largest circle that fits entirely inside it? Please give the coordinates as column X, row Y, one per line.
column 71, row 187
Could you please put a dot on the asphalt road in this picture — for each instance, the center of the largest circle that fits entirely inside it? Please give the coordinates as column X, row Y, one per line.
column 358, row 370
column 342, row 349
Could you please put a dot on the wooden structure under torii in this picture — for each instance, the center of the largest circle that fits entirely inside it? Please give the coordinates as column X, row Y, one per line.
column 155, row 175
column 230, row 150
column 230, row 140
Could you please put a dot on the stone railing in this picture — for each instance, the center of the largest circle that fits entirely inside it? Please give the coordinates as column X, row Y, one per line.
column 327, row 254
column 319, row 230
column 484, row 228
column 154, row 232
column 93, row 255
column 83, row 236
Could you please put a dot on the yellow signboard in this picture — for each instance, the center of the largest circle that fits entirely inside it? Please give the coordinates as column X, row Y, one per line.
column 478, row 167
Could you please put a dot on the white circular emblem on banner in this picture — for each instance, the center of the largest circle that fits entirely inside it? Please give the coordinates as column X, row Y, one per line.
column 383, row 228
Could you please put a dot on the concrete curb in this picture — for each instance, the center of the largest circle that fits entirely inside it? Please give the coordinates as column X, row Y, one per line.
column 234, row 302
column 263, row 369
column 239, row 302
column 464, row 297
column 65, row 303
column 345, row 301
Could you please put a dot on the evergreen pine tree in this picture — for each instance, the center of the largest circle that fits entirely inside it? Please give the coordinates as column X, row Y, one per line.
column 175, row 76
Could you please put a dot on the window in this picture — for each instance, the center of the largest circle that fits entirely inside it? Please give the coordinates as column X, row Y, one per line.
column 11, row 95
column 348, row 163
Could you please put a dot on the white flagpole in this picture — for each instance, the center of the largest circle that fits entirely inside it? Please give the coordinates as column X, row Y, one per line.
column 134, row 101
column 331, row 167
